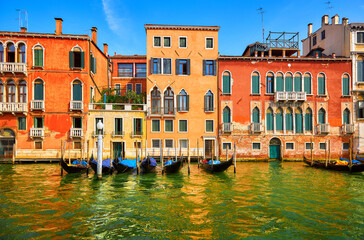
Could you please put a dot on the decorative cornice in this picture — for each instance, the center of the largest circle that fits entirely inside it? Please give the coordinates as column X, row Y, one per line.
column 44, row 35
column 181, row 27
column 292, row 59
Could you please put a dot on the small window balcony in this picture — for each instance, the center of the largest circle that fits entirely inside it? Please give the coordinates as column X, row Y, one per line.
column 95, row 134
column 159, row 111
column 227, row 127
column 136, row 133
column 37, row 132
column 323, row 128
column 76, row 132
column 117, row 133
column 301, row 96
column 13, row 107
column 76, row 106
column 347, row 128
column 256, row 128
column 37, row 105
column 289, row 96
column 8, row 67
column 280, row 96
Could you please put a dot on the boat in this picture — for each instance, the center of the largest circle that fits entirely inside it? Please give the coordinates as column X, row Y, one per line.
column 315, row 163
column 359, row 159
column 106, row 165
column 171, row 166
column 216, row 165
column 75, row 167
column 148, row 165
column 124, row 165
column 342, row 165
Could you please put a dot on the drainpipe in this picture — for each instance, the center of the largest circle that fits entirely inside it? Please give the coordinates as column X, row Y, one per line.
column 89, row 69
column 218, row 101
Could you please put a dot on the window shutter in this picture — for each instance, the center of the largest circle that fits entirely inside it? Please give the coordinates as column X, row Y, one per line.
column 71, row 59
column 307, row 85
column 77, row 92
column 214, row 67
column 270, row 121
column 279, row 121
column 94, row 65
column 188, row 67
column 178, row 104
column 297, row 84
column 159, row 68
column 188, row 102
column 298, row 122
column 321, row 86
column 255, row 84
column 308, row 122
column 152, row 65
column 35, row 122
column 177, row 66
column 346, row 117
column 206, row 102
column 40, row 58
column 38, row 92
column 279, row 84
column 289, row 84
column 135, row 125
column 204, row 67
column 289, row 122
column 82, row 59
column 360, row 71
column 255, row 116
column 345, row 86
column 91, row 64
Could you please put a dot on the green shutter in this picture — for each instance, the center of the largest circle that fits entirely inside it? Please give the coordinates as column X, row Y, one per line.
column 95, row 65
column 82, row 59
column 226, row 84
column 38, row 92
column 289, row 84
column 204, row 67
column 135, row 126
column 255, row 84
column 297, row 84
column 226, row 115
column 209, row 127
column 269, row 121
column 307, row 85
column 38, row 57
column 77, row 92
column 255, row 115
column 346, row 117
column 168, row 125
column 346, row 86
column 91, row 64
column 71, row 59
column 360, row 71
column 178, row 102
column 35, row 122
column 321, row 86
column 289, row 122
column 279, row 84
column 22, row 123
column 298, row 123
column 321, row 117
column 308, row 121
column 279, row 121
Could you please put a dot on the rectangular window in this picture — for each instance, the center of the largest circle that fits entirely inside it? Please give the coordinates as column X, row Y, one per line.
column 138, row 88
column 161, row 66
column 183, row 143
column 118, row 126
column 345, row 146
column 361, row 109
column 270, row 84
column 255, row 85
column 322, row 146
column 22, row 124
column 314, row 40
column 38, row 122
column 168, row 125
column 77, row 122
column 96, row 130
column 38, row 57
column 256, row 146
column 209, row 67
column 156, row 65
column 76, row 59
column 129, row 87
column 168, row 143
column 346, row 86
column 156, row 125
column 125, row 70
column 156, row 143
column 323, row 35
column 308, row 146
column 166, row 41
column 209, row 126
column 138, row 126
column 182, row 126
column 360, row 37
column 117, row 89
column 289, row 146
column 137, row 145
column 226, row 145
column 183, row 42
column 76, row 145
column 140, row 70
column 167, row 66
column 209, row 43
column 157, row 41
column 360, row 71
column 38, row 145
column 321, row 86
column 182, row 67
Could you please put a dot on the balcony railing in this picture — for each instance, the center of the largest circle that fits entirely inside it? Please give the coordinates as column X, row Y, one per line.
column 13, row 68
column 227, row 127
column 117, row 107
column 301, row 96
column 256, row 128
column 323, row 128
column 76, row 106
column 136, row 133
column 117, row 133
column 37, row 105
column 37, row 132
column 289, row 96
column 95, row 134
column 76, row 132
column 348, row 128
column 159, row 111
column 13, row 107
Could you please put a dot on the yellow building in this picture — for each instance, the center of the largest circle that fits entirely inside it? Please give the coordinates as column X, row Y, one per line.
column 182, row 91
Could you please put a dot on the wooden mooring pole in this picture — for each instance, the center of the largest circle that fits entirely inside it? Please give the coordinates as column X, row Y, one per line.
column 61, row 157
column 69, row 153
column 161, row 156
column 326, row 145
column 198, row 155
column 350, row 156
column 188, row 153
column 311, row 153
column 329, row 150
column 234, row 157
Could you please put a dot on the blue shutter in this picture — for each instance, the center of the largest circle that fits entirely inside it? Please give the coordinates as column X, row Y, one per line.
column 152, row 66
column 297, row 84
column 279, row 121
column 360, row 71
column 188, row 67
column 177, row 66
column 214, row 61
column 307, row 85
column 279, row 84
column 298, row 123
column 204, row 67
column 289, row 84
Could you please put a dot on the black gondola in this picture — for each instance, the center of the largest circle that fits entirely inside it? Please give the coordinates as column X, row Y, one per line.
column 106, row 168
column 173, row 166
column 72, row 168
column 121, row 166
column 218, row 167
column 148, row 165
column 356, row 167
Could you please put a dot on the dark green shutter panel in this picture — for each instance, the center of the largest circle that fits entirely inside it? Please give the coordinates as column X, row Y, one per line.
column 226, row 84
column 279, row 84
column 135, row 126
column 298, row 123
column 91, row 64
column 204, row 67
column 36, row 57
column 159, row 68
column 214, row 67
column 255, row 84
column 82, row 60
column 360, row 71
column 321, row 117
column 206, row 102
column 152, row 65
column 297, row 84
column 178, row 104
column 35, row 122
column 95, row 66
column 321, row 86
column 279, row 121
column 177, row 66
column 38, row 92
column 269, row 121
column 307, row 85
column 77, row 92
column 40, row 56
column 289, row 122
column 188, row 102
column 346, row 86
column 308, row 121
column 71, row 59
column 346, row 117
column 188, row 67
column 226, row 115
column 255, row 115
column 289, row 84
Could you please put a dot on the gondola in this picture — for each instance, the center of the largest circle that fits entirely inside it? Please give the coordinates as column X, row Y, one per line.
column 216, row 167
column 106, row 165
column 148, row 165
column 75, row 167
column 315, row 163
column 360, row 159
column 172, row 166
column 355, row 167
column 126, row 165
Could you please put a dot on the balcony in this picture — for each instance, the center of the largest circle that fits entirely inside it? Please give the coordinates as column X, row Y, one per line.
column 76, row 132
column 323, row 128
column 289, row 96
column 95, row 134
column 159, row 111
column 347, row 128
column 117, row 133
column 127, row 107
column 76, row 106
column 301, row 96
column 37, row 105
column 37, row 132
column 13, row 107
column 227, row 127
column 7, row 67
column 136, row 133
column 256, row 128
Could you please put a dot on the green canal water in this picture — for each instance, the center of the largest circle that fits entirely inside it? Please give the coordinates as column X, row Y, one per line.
column 263, row 200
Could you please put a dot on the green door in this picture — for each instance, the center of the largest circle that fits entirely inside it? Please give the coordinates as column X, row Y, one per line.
column 274, row 151
column 117, row 150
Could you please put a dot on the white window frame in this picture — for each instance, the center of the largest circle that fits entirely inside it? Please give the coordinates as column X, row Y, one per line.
column 33, row 48
column 122, row 129
column 95, row 127
column 179, row 131
column 342, row 86
column 260, row 146
column 213, row 42
column 160, row 42
column 290, row 149
column 309, row 149
column 320, row 146
column 179, row 143
column 326, row 93
column 356, row 37
column 168, row 139
column 213, row 125
column 170, row 41
column 251, row 83
column 76, row 79
column 165, row 125
column 155, row 139
column 179, row 41
column 118, row 84
column 224, row 149
column 151, row 127
column 344, row 149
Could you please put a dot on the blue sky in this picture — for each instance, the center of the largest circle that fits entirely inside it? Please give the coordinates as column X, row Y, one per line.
column 121, row 23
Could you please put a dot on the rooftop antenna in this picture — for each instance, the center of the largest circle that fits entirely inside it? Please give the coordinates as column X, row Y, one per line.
column 23, row 18
column 261, row 12
column 329, row 6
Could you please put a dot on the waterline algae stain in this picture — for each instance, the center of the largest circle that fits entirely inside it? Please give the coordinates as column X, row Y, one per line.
column 266, row 200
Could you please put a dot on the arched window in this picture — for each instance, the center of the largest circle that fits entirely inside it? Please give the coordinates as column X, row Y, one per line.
column 76, row 58
column 255, row 83
column 10, row 49
column 38, row 90
column 38, row 56
column 270, row 83
column 321, row 116
column 156, row 100
column 22, row 91
column 209, row 102
column 256, row 117
column 77, row 90
column 346, row 85
column 298, row 82
column 299, row 120
column 289, row 119
column 183, row 101
column 269, row 119
column 279, row 120
column 307, row 83
column 226, row 115
column 289, row 82
column 168, row 101
column 1, row 52
column 11, row 90
column 21, row 53
column 346, row 116
column 321, row 84
column 308, row 120
column 226, row 83
column 279, row 84
column 1, row 91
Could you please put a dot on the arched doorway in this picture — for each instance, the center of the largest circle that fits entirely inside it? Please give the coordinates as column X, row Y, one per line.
column 275, row 148
column 7, row 140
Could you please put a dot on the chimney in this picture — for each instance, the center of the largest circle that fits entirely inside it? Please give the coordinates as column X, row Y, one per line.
column 23, row 29
column 58, row 26
column 316, row 55
column 309, row 30
column 324, row 20
column 335, row 20
column 262, row 54
column 345, row 21
column 105, row 48
column 255, row 53
column 333, row 55
column 94, row 34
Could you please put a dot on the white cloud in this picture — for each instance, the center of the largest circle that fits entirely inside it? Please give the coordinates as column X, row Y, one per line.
column 116, row 23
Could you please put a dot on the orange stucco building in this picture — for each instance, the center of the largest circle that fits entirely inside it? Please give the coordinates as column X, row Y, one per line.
column 46, row 83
